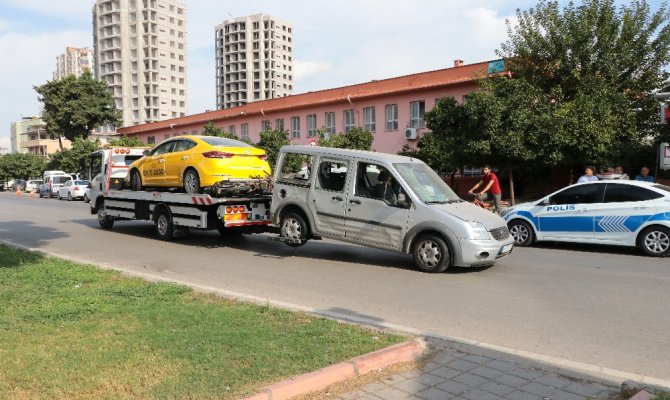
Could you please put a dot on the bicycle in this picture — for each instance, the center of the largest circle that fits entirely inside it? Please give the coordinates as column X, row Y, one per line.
column 490, row 206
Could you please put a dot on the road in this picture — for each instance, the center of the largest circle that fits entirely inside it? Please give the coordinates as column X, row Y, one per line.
column 606, row 307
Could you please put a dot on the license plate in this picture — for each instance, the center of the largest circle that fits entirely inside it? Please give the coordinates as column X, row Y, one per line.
column 506, row 248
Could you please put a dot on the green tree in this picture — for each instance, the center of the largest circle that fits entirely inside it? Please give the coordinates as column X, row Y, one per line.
column 21, row 166
column 599, row 64
column 356, row 138
column 69, row 160
column 271, row 141
column 74, row 106
column 213, row 130
column 127, row 141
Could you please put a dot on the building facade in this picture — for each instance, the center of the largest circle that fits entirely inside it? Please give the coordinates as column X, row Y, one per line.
column 254, row 60
column 392, row 109
column 30, row 136
column 74, row 61
column 140, row 52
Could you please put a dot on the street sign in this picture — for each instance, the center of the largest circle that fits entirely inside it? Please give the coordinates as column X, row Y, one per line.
column 312, row 142
column 665, row 156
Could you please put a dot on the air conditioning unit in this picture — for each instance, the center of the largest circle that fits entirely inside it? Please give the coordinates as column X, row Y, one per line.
column 410, row 134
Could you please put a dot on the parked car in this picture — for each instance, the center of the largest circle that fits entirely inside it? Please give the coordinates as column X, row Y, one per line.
column 384, row 201
column 87, row 193
column 614, row 212
column 72, row 190
column 18, row 184
column 196, row 162
column 33, row 185
column 51, row 184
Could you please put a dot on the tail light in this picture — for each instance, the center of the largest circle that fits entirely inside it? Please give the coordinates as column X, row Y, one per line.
column 75, row 188
column 217, row 154
column 262, row 156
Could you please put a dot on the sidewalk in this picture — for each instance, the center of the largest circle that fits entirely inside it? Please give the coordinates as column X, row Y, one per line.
column 455, row 371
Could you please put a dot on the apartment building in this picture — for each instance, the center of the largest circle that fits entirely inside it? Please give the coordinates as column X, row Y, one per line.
column 254, row 60
column 74, row 61
column 392, row 109
column 140, row 51
column 29, row 135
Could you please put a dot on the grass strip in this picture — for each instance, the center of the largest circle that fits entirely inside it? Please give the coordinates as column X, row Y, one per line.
column 74, row 331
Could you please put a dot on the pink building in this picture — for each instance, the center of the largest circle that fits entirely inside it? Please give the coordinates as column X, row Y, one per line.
column 392, row 109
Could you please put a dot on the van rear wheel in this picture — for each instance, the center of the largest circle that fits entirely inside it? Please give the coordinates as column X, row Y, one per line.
column 293, row 229
column 431, row 253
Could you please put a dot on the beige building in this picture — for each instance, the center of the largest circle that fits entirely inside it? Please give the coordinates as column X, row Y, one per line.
column 140, row 51
column 74, row 61
column 30, row 136
column 254, row 60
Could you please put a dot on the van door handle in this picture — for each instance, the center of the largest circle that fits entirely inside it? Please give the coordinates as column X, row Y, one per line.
column 338, row 198
column 355, row 201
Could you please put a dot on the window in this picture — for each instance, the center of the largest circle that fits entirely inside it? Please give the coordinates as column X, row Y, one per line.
column 392, row 117
column 332, row 175
column 330, row 123
column 266, row 125
column 295, row 127
column 231, row 129
column 417, row 109
column 348, row 120
column 151, row 140
column 163, row 148
column 183, row 145
column 617, row 192
column 369, row 119
column 244, row 128
column 296, row 169
column 279, row 124
column 583, row 194
column 311, row 125
column 376, row 182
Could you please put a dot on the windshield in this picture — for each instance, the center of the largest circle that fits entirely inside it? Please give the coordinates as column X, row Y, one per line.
column 60, row 179
column 223, row 142
column 425, row 183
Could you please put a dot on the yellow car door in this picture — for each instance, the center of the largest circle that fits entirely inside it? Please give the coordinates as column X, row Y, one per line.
column 177, row 160
column 153, row 169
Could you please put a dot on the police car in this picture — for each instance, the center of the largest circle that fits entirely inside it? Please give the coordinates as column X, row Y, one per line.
column 615, row 212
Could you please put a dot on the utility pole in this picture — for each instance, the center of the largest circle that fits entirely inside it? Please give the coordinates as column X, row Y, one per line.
column 664, row 149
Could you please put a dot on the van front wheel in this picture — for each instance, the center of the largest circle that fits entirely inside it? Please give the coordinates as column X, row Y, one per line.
column 431, row 253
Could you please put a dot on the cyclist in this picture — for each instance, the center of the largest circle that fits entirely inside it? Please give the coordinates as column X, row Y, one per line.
column 491, row 187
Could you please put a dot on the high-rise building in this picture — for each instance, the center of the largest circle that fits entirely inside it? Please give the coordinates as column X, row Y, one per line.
column 140, row 51
column 254, row 60
column 73, row 62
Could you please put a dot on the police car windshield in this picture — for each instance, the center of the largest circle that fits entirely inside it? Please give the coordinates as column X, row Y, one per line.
column 425, row 183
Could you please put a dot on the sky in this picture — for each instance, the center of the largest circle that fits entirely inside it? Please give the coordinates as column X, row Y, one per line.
column 336, row 43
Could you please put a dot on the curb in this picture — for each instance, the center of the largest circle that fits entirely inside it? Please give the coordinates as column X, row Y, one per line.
column 318, row 380
column 642, row 395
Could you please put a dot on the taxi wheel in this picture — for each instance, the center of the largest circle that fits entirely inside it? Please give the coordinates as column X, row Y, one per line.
column 293, row 229
column 522, row 232
column 191, row 181
column 431, row 253
column 655, row 241
column 135, row 181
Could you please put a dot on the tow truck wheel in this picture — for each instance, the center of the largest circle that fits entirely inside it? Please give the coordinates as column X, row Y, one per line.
column 293, row 229
column 191, row 182
column 431, row 253
column 521, row 232
column 135, row 181
column 655, row 241
column 164, row 225
column 105, row 221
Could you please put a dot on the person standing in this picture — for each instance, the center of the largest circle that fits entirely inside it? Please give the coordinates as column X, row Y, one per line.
column 491, row 187
column 644, row 175
column 619, row 170
column 588, row 175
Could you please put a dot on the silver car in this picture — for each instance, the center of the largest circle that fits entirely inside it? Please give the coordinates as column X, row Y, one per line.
column 384, row 201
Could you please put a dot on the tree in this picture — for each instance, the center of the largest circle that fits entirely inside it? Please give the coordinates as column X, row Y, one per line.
column 356, row 138
column 74, row 106
column 213, row 130
column 271, row 141
column 21, row 166
column 599, row 64
column 69, row 160
column 127, row 141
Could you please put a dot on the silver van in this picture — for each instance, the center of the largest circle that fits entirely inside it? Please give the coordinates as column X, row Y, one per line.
column 384, row 201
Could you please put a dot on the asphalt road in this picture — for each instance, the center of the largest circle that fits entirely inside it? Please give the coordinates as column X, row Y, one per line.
column 601, row 306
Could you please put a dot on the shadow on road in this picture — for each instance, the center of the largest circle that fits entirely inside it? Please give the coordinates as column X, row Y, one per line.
column 28, row 234
column 591, row 248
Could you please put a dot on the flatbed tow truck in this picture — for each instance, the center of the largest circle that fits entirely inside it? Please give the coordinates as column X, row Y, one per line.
column 241, row 206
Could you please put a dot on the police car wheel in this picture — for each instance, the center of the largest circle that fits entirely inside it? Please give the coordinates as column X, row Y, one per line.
column 655, row 241
column 135, row 181
column 431, row 253
column 293, row 229
column 521, row 232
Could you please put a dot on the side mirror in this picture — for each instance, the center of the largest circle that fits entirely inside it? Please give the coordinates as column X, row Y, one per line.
column 544, row 202
column 146, row 152
column 402, row 201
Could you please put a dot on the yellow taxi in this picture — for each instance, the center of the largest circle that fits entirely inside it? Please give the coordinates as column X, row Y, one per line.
column 195, row 162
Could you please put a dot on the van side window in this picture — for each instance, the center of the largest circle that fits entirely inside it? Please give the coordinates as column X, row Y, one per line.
column 376, row 182
column 332, row 175
column 295, row 169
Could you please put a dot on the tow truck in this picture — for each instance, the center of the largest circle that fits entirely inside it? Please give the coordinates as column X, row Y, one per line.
column 231, row 207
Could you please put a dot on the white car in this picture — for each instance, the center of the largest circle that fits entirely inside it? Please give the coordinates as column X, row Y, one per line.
column 614, row 212
column 72, row 190
column 34, row 185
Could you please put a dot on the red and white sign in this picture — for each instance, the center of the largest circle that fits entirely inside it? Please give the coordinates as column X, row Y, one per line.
column 312, row 142
column 665, row 156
